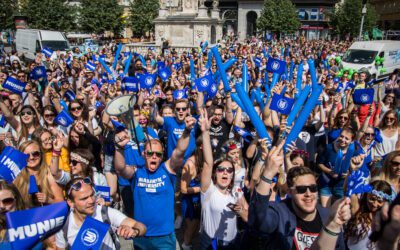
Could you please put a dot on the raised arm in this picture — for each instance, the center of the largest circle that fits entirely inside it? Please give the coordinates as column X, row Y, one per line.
column 228, row 109
column 206, row 173
column 9, row 115
column 121, row 139
column 55, row 159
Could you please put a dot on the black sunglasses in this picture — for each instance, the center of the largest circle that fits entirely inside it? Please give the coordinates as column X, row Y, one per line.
column 76, row 108
column 75, row 162
column 26, row 113
column 222, row 169
column 151, row 153
column 78, row 185
column 7, row 201
column 302, row 189
column 34, row 154
column 180, row 109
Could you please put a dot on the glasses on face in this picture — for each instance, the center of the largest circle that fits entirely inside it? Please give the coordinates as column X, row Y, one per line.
column 78, row 185
column 218, row 114
column 180, row 109
column 49, row 115
column 223, row 169
column 390, row 118
column 34, row 154
column 395, row 163
column 75, row 162
column 302, row 189
column 152, row 153
column 48, row 139
column 7, row 201
column 343, row 118
column 26, row 113
column 373, row 198
column 369, row 134
column 76, row 108
column 146, row 104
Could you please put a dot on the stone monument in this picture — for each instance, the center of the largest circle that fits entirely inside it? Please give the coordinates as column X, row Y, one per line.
column 186, row 23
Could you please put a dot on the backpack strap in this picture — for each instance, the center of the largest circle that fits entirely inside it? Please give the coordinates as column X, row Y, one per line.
column 106, row 219
column 65, row 232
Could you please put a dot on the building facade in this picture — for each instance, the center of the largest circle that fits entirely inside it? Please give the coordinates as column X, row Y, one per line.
column 388, row 12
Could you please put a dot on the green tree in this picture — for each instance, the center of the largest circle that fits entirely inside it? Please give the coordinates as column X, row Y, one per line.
column 346, row 19
column 49, row 14
column 142, row 14
column 98, row 16
column 279, row 16
column 7, row 9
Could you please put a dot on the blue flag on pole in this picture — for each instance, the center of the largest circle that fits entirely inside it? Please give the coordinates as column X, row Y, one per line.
column 160, row 65
column 180, row 94
column 12, row 162
column 90, row 66
column 147, row 81
column 91, row 234
column 70, row 95
column 363, row 96
column 68, row 61
column 281, row 104
column 212, row 91
column 33, row 187
column 14, row 85
column 47, row 52
column 357, row 183
column 27, row 227
column 257, row 62
column 177, row 66
column 38, row 72
column 276, row 65
column 131, row 83
column 164, row 73
column 64, row 119
column 103, row 192
column 243, row 133
column 204, row 83
column 3, row 121
column 118, row 126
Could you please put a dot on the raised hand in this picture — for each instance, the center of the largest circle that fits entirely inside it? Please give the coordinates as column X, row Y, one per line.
column 356, row 162
column 122, row 138
column 274, row 160
column 58, row 142
column 190, row 122
column 204, row 122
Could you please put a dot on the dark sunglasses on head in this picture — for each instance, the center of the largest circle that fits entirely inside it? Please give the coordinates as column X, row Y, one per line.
column 180, row 109
column 7, row 201
column 76, row 108
column 151, row 153
column 223, row 169
column 26, row 113
column 302, row 189
column 34, row 154
column 78, row 185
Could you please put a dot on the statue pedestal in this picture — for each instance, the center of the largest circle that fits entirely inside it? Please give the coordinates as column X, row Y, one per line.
column 162, row 12
column 202, row 12
column 215, row 13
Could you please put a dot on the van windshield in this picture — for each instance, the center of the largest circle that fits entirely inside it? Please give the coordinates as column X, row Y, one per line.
column 359, row 56
column 56, row 45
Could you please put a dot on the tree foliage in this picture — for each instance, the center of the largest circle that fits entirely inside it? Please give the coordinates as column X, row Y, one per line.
column 346, row 19
column 49, row 14
column 279, row 16
column 7, row 9
column 142, row 14
column 98, row 16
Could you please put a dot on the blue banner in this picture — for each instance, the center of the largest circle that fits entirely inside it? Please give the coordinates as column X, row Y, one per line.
column 177, row 66
column 14, row 85
column 276, row 66
column 212, row 91
column 12, row 162
column 47, row 52
column 103, row 192
column 281, row 104
column 180, row 94
column 363, row 96
column 3, row 121
column 147, row 81
column 204, row 83
column 118, row 126
column 38, row 72
column 64, row 119
column 131, row 83
column 91, row 234
column 70, row 95
column 27, row 227
column 90, row 66
column 164, row 73
column 33, row 187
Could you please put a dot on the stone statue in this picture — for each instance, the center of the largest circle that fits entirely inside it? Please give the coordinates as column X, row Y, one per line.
column 202, row 3
column 215, row 4
column 163, row 4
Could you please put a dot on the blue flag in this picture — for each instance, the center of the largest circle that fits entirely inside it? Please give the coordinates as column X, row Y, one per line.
column 147, row 81
column 164, row 73
column 131, row 83
column 70, row 95
column 177, row 66
column 212, row 91
column 38, row 72
column 204, row 83
column 243, row 133
column 64, row 119
column 94, row 59
column 91, row 234
column 3, row 121
column 90, row 66
column 27, row 227
column 103, row 192
column 12, row 162
column 47, row 52
column 363, row 96
column 33, row 187
column 180, row 94
column 68, row 61
column 118, row 126
column 257, row 62
column 357, row 183
column 14, row 85
column 160, row 65
column 281, row 104
column 276, row 66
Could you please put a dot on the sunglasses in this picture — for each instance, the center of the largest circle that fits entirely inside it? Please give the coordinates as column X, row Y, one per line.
column 76, row 108
column 78, row 185
column 34, row 154
column 151, row 153
column 49, row 115
column 395, row 163
column 26, row 113
column 302, row 189
column 343, row 118
column 180, row 109
column 74, row 162
column 390, row 118
column 373, row 198
column 369, row 134
column 7, row 201
column 146, row 104
column 223, row 169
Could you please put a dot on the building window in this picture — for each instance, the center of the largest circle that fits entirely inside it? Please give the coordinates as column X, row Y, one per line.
column 302, row 14
column 314, row 14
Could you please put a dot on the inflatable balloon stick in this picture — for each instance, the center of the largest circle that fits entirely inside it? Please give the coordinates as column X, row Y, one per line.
column 117, row 56
column 299, row 79
column 313, row 74
column 298, row 104
column 245, row 80
column 222, row 67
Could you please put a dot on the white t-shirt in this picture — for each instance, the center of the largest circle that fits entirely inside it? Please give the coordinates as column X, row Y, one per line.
column 115, row 216
column 219, row 221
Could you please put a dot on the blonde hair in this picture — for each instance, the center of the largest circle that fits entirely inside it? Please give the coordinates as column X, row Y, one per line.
column 384, row 173
column 22, row 180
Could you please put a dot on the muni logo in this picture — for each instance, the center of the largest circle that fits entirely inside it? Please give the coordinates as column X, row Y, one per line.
column 204, row 82
column 149, row 80
column 62, row 121
column 275, row 65
column 39, row 72
column 282, row 104
column 364, row 98
column 164, row 74
column 90, row 237
column 213, row 88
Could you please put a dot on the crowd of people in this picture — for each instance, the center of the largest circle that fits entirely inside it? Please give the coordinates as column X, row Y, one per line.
column 189, row 165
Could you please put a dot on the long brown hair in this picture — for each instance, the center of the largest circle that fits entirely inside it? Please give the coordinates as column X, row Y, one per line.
column 19, row 202
column 382, row 124
column 336, row 121
column 214, row 173
column 385, row 170
column 22, row 180
column 24, row 133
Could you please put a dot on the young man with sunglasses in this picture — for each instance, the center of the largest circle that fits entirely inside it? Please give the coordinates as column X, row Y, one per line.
column 153, row 187
column 82, row 201
column 299, row 221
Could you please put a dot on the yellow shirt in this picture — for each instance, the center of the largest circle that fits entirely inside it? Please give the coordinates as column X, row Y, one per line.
column 63, row 161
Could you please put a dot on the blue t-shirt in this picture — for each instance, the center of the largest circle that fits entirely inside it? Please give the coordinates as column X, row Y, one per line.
column 174, row 132
column 154, row 193
column 132, row 158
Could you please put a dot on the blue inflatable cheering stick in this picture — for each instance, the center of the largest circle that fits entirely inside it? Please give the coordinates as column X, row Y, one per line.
column 222, row 67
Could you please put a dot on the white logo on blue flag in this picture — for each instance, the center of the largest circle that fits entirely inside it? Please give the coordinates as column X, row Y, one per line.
column 64, row 119
column 149, row 81
column 282, row 104
column 91, row 234
column 364, row 98
column 90, row 237
column 204, row 82
column 14, row 85
column 12, row 162
column 275, row 65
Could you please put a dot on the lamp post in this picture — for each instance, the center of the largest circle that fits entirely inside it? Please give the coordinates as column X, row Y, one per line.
column 363, row 12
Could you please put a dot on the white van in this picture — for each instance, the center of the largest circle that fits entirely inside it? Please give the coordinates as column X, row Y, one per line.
column 30, row 41
column 361, row 56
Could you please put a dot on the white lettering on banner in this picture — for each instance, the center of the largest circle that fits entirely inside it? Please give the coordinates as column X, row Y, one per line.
column 10, row 164
column 104, row 194
column 151, row 185
column 32, row 230
column 15, row 86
